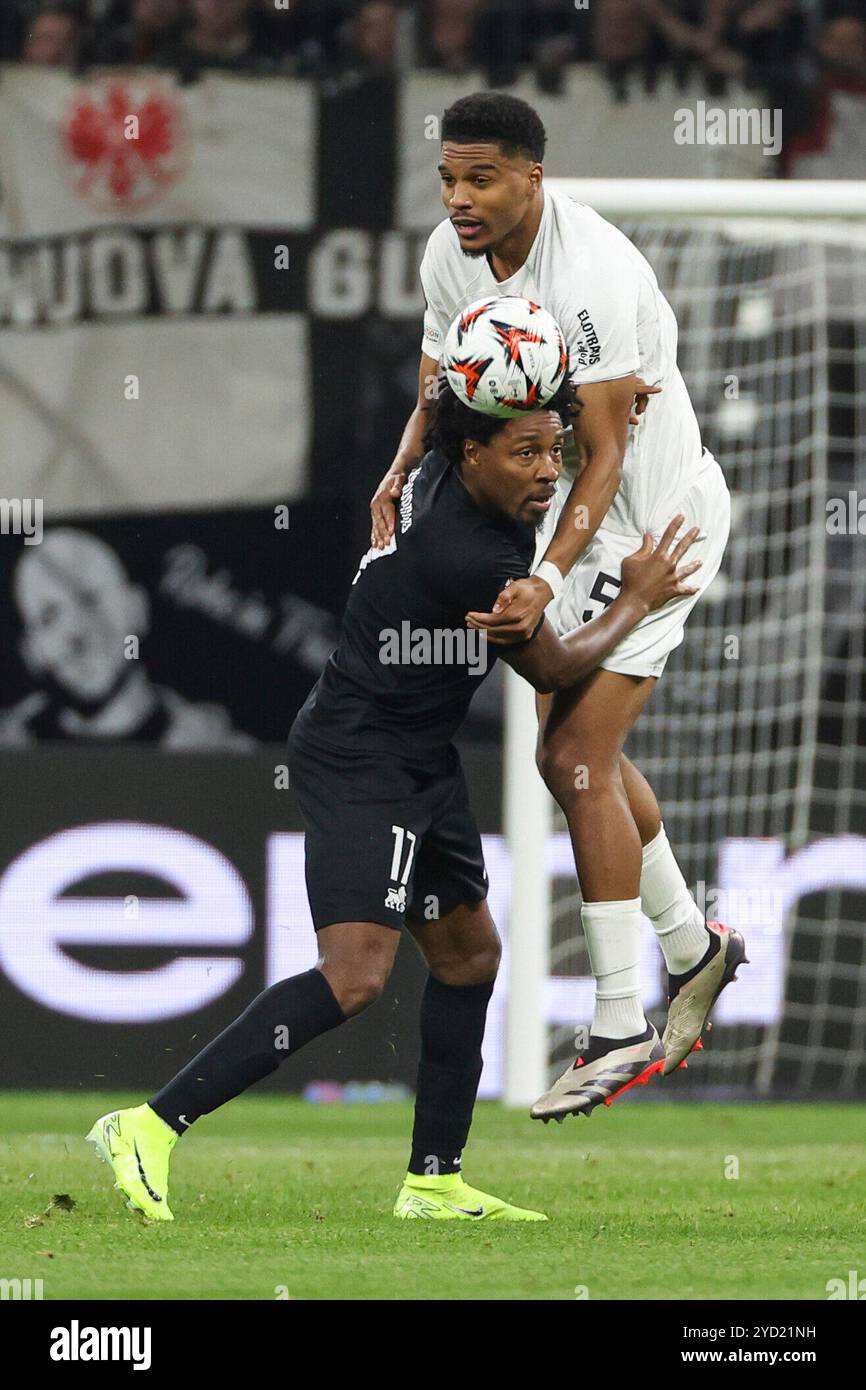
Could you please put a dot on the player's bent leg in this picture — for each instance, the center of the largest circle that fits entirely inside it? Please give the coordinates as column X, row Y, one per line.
column 642, row 801
column 462, row 951
column 579, row 758
column 355, row 962
column 701, row 957
column 580, row 749
column 685, row 940
column 356, row 959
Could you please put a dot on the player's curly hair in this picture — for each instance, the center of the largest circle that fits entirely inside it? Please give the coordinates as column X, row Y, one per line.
column 450, row 422
column 499, row 119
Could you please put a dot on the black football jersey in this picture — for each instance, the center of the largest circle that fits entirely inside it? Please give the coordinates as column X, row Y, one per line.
column 406, row 667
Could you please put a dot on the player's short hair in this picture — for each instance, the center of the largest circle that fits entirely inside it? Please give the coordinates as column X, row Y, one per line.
column 450, row 422
column 499, row 119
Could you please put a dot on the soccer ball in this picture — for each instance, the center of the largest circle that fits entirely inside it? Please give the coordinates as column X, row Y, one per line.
column 504, row 355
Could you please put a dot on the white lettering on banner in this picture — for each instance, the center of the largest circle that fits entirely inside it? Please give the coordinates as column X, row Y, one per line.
column 231, row 283
column 177, row 257
column 291, row 939
column 744, row 865
column 341, row 275
column 36, row 922
column 118, row 278
column 57, row 289
column 106, row 275
column 400, row 294
column 352, row 272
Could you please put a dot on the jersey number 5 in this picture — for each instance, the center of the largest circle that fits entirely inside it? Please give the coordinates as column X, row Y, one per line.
column 597, row 593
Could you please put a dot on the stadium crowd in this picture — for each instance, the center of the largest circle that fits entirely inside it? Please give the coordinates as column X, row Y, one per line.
column 799, row 54
column 752, row 39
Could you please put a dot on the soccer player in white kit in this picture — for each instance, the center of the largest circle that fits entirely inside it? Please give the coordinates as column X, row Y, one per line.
column 505, row 233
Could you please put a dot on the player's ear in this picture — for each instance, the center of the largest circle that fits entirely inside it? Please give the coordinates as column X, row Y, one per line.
column 470, row 452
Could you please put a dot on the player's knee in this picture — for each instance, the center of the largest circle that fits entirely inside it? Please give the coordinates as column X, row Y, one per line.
column 358, row 991
column 476, row 967
column 556, row 763
column 568, row 779
column 482, row 966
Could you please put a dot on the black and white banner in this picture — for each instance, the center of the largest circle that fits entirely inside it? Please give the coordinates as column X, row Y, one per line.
column 200, row 303
column 196, row 631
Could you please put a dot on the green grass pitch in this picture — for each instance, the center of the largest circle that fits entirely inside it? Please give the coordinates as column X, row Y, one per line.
column 273, row 1198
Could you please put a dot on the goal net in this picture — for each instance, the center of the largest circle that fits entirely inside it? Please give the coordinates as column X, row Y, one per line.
column 753, row 740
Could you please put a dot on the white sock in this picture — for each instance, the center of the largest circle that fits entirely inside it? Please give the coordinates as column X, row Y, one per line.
column 612, row 932
column 666, row 900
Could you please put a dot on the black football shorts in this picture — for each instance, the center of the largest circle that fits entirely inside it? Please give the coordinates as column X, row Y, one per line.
column 385, row 841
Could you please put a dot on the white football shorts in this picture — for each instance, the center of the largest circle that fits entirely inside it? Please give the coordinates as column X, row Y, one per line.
column 596, row 579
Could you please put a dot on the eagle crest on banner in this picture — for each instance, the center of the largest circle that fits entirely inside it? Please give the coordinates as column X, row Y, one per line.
column 126, row 141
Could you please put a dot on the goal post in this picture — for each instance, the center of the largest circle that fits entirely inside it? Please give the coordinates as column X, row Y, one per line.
column 718, row 197
column 753, row 740
column 528, row 822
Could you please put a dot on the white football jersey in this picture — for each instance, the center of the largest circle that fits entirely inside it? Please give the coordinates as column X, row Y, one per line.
column 605, row 297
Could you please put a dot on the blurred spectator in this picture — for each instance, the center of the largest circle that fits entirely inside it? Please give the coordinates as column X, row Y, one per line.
column 762, row 44
column 624, row 41
column 307, row 34
column 688, row 29
column 151, row 26
column 563, row 36
column 510, row 35
column 373, row 37
column 446, row 34
column 368, row 43
column 53, row 37
column 222, row 34
column 756, row 41
column 501, row 41
column 841, row 43
column 759, row 44
column 827, row 129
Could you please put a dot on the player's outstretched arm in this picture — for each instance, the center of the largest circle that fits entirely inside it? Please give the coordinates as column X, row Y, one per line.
column 650, row 579
column 383, row 503
column 606, row 411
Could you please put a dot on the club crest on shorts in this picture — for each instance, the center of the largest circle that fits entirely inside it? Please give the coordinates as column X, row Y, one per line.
column 396, row 898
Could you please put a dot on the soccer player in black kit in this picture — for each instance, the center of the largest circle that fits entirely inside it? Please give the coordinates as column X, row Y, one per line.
column 390, row 837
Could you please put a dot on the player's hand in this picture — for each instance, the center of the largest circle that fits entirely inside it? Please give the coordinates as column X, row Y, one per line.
column 516, row 612
column 654, row 575
column 383, row 507
column 641, row 401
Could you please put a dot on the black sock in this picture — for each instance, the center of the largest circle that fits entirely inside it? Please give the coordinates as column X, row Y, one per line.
column 452, row 1029
column 599, row 1045
column 676, row 982
column 278, row 1022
